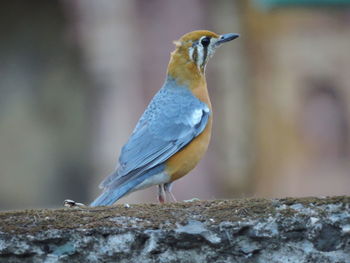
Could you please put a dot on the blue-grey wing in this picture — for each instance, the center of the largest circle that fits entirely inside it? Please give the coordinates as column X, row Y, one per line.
column 172, row 120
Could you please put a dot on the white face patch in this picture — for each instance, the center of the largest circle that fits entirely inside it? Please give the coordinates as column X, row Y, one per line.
column 212, row 47
column 190, row 52
column 201, row 58
column 200, row 54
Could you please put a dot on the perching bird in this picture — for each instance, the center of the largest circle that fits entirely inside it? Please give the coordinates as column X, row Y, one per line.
column 173, row 133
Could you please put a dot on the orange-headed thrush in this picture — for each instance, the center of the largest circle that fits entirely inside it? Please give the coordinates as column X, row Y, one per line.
column 173, row 133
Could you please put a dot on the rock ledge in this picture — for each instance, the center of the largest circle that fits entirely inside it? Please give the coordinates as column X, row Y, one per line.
column 241, row 230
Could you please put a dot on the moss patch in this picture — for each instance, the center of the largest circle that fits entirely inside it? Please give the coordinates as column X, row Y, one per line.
column 154, row 216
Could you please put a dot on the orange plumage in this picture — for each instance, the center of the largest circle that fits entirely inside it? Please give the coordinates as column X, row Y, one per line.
column 186, row 72
column 174, row 132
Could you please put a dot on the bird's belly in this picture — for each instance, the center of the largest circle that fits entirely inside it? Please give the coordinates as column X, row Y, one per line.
column 161, row 178
column 185, row 160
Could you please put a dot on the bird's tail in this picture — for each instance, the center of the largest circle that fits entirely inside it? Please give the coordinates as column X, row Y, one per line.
column 110, row 195
column 114, row 192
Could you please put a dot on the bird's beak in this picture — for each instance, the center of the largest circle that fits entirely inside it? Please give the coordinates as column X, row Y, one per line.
column 226, row 38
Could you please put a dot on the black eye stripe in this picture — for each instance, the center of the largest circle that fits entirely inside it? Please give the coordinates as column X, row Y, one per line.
column 200, row 45
column 195, row 55
column 205, row 54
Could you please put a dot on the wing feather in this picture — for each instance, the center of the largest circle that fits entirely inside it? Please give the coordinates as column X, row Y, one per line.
column 172, row 120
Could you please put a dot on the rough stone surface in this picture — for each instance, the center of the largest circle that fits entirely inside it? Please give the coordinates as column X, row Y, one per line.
column 243, row 230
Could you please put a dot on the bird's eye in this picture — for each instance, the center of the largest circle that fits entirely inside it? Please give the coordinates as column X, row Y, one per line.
column 205, row 41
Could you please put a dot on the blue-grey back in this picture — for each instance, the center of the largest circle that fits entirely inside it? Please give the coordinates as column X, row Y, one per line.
column 172, row 119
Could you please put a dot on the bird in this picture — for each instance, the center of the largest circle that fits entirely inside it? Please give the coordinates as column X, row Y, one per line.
column 174, row 131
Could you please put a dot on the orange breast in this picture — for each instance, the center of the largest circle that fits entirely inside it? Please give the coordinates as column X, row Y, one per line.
column 185, row 160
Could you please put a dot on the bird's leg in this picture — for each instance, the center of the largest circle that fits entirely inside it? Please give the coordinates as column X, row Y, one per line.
column 161, row 194
column 167, row 188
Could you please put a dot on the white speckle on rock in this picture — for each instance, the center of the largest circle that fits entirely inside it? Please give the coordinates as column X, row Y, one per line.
column 118, row 244
column 281, row 207
column 333, row 207
column 346, row 229
column 265, row 229
column 198, row 228
column 313, row 220
column 195, row 199
column 127, row 220
column 339, row 217
column 297, row 206
column 51, row 258
column 152, row 243
column 2, row 245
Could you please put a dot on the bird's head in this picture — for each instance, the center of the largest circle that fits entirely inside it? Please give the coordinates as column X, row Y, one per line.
column 198, row 46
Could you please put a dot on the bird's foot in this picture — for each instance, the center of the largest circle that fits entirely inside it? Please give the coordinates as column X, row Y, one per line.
column 167, row 189
column 161, row 194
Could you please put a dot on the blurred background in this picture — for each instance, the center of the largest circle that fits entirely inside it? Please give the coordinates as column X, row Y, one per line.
column 75, row 77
